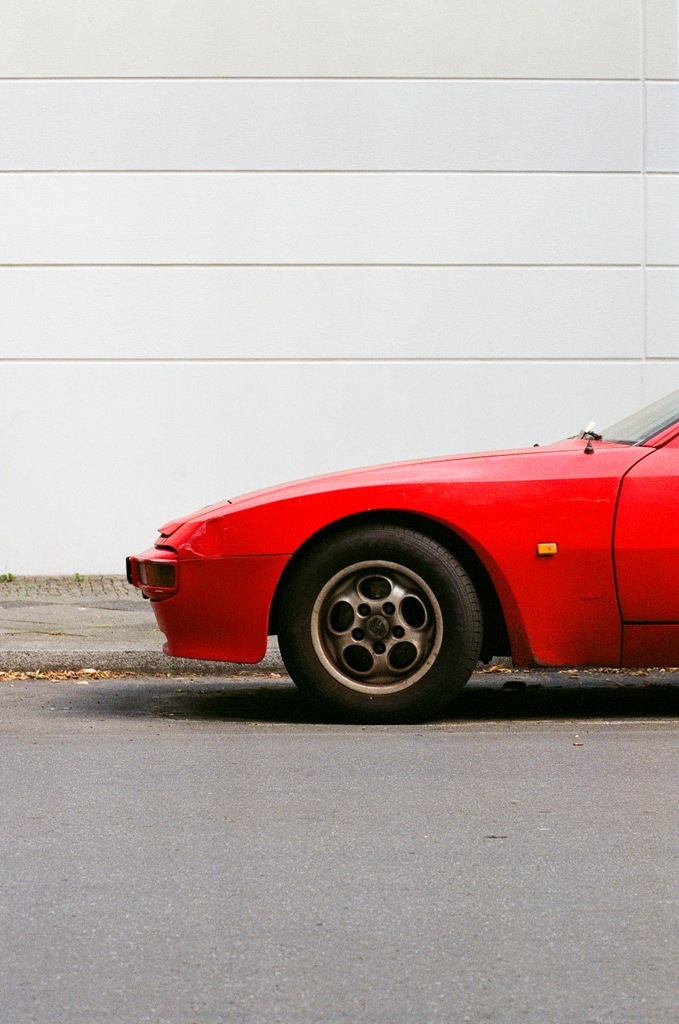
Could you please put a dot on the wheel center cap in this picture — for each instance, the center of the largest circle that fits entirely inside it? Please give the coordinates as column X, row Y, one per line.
column 377, row 627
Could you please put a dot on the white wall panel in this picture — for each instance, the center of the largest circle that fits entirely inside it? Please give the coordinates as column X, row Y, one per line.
column 251, row 276
column 320, row 312
column 662, row 218
column 662, row 314
column 659, row 378
column 363, row 38
column 662, row 126
column 320, row 125
column 94, row 457
column 319, row 218
column 661, row 38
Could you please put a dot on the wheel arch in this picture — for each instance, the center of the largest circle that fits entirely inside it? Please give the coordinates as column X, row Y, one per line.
column 495, row 634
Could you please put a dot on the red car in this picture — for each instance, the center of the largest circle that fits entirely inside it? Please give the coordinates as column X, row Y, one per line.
column 386, row 586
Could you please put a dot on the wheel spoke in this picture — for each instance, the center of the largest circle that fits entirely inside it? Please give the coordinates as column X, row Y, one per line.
column 377, row 625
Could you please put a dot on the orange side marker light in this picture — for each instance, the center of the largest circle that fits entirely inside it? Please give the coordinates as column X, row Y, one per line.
column 548, row 549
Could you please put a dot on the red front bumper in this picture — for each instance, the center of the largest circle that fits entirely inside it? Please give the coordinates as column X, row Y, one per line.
column 220, row 609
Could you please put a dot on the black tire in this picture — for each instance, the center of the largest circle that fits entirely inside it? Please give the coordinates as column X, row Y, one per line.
column 442, row 624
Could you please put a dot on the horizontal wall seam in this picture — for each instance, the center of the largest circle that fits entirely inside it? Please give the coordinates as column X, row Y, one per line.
column 314, row 171
column 304, row 78
column 602, row 266
column 598, row 361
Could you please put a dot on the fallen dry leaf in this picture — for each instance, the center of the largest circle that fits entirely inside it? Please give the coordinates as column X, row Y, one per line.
column 61, row 676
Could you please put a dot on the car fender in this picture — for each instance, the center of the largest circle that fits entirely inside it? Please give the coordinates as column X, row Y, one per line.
column 558, row 610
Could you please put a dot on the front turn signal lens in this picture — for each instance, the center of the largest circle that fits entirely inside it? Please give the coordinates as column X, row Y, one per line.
column 158, row 574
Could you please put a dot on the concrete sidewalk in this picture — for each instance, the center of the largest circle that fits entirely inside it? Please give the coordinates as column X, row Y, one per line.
column 60, row 623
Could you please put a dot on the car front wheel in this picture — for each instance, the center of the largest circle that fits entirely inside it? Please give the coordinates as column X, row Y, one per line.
column 381, row 622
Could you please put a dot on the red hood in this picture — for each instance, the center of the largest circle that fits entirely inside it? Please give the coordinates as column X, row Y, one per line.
column 389, row 473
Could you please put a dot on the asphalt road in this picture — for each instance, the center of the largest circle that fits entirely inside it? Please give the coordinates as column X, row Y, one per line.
column 203, row 851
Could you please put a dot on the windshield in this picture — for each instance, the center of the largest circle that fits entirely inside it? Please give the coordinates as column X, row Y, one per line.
column 646, row 423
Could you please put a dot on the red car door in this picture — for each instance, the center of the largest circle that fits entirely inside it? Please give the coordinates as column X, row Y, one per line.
column 646, row 553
